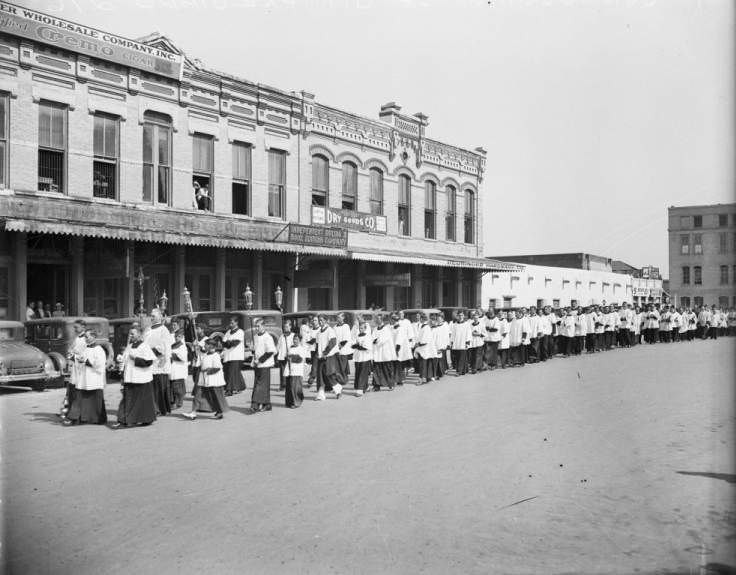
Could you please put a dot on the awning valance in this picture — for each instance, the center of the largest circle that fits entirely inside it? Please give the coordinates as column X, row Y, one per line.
column 484, row 264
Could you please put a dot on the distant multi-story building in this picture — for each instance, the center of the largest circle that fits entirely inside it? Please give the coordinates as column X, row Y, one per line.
column 104, row 139
column 702, row 254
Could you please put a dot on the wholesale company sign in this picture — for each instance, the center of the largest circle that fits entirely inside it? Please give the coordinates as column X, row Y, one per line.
column 60, row 33
column 318, row 236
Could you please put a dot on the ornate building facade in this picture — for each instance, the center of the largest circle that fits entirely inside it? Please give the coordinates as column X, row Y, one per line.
column 105, row 139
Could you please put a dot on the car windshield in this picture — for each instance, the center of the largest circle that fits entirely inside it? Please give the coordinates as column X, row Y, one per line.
column 12, row 333
column 211, row 322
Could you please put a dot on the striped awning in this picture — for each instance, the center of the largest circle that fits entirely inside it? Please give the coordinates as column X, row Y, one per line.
column 109, row 232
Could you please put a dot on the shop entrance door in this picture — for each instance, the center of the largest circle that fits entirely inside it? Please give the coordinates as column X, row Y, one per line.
column 49, row 283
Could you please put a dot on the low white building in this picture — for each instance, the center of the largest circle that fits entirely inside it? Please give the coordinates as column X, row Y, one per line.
column 558, row 287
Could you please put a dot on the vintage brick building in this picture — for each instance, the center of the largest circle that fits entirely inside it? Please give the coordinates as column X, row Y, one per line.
column 102, row 139
column 702, row 250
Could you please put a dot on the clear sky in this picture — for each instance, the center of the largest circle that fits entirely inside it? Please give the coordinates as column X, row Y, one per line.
column 596, row 114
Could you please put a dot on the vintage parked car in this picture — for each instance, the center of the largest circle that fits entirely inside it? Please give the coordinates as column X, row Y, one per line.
column 216, row 323
column 22, row 365
column 55, row 336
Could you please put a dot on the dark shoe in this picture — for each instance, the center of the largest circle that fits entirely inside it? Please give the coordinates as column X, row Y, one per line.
column 218, row 416
column 266, row 407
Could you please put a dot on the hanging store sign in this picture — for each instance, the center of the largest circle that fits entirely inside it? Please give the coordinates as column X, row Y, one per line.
column 60, row 33
column 313, row 278
column 640, row 291
column 318, row 236
column 348, row 219
column 389, row 280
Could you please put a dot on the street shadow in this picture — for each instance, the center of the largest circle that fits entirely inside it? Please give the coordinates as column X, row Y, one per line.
column 729, row 477
column 44, row 417
column 719, row 569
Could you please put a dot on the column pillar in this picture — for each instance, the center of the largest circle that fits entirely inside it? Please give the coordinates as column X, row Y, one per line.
column 478, row 288
column 289, row 289
column 459, row 287
column 180, row 270
column 334, row 301
column 129, row 283
column 388, row 270
column 360, row 302
column 77, row 279
column 19, row 287
column 417, row 283
column 438, row 287
column 220, row 278
column 257, row 284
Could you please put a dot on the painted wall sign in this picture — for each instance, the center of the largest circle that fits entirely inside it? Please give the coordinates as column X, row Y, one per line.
column 348, row 219
column 318, row 236
column 18, row 21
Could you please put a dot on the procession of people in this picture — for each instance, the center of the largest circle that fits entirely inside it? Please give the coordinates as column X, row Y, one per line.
column 156, row 364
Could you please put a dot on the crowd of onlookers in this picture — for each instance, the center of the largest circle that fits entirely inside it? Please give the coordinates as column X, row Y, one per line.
column 39, row 310
column 373, row 355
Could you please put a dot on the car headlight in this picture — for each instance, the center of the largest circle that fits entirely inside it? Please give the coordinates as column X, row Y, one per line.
column 3, row 369
column 48, row 366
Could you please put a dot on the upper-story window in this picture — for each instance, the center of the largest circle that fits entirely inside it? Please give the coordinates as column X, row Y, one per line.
column 697, row 221
column 241, row 178
column 686, row 275
column 469, row 217
column 52, row 127
column 156, row 158
column 684, row 244
column 430, row 209
column 697, row 243
column 3, row 140
column 276, row 183
column 724, row 275
column 376, row 191
column 320, row 180
column 722, row 220
column 722, row 242
column 450, row 224
column 404, row 205
column 203, row 168
column 105, row 164
column 349, row 185
column 698, row 273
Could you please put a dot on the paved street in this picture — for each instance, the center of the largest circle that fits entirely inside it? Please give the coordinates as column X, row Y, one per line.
column 622, row 462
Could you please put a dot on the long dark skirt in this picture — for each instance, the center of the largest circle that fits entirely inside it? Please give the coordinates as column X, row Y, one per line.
column 212, row 397
column 343, row 364
column 460, row 361
column 137, row 405
column 313, row 371
column 398, row 370
column 88, row 407
column 234, row 382
column 442, row 364
column 362, row 374
column 294, row 394
column 383, row 374
column 161, row 393
column 475, row 358
column 491, row 354
column 178, row 391
column 261, row 386
column 327, row 373
column 426, row 368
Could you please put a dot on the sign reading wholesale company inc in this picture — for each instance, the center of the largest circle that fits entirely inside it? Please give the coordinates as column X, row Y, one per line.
column 60, row 33
column 348, row 219
column 318, row 236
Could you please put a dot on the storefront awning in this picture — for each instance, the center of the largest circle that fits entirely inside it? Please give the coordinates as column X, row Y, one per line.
column 483, row 264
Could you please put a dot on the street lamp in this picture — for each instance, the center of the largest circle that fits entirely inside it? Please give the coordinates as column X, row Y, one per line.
column 278, row 297
column 248, row 295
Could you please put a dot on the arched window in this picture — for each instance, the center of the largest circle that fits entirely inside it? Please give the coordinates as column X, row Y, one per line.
column 156, row 158
column 320, row 180
column 349, row 185
column 376, row 191
column 451, row 213
column 430, row 209
column 404, row 206
column 469, row 217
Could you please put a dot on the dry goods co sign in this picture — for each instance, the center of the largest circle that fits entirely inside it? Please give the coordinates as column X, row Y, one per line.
column 61, row 33
column 348, row 219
